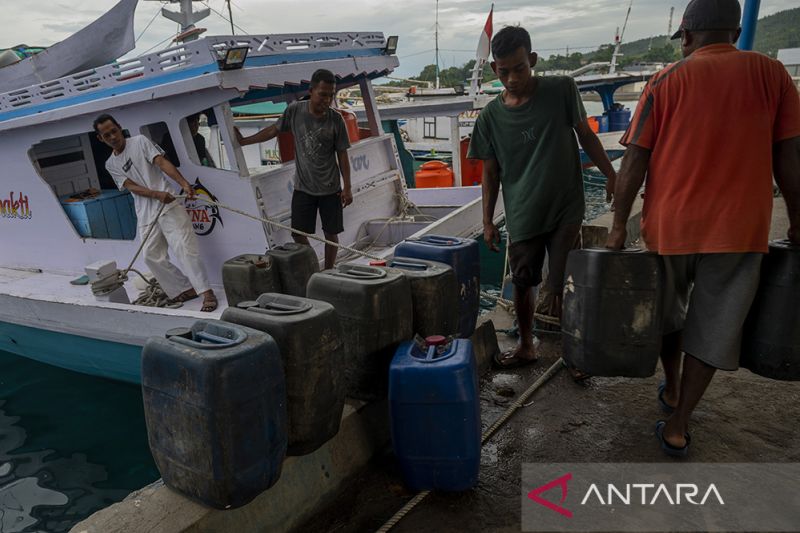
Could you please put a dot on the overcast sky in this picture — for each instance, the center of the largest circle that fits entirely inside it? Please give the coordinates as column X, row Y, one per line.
column 553, row 24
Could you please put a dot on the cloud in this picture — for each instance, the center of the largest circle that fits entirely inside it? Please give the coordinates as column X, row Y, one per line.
column 554, row 25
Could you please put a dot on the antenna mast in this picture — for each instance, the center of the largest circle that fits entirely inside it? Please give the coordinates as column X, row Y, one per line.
column 618, row 42
column 230, row 16
column 187, row 18
column 436, row 30
column 669, row 29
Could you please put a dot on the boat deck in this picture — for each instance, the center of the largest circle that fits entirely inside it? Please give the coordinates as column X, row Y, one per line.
column 42, row 286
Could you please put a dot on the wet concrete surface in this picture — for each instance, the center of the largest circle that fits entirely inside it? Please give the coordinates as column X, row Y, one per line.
column 742, row 418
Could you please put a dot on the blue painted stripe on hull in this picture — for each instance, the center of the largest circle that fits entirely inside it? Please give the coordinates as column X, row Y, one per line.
column 117, row 361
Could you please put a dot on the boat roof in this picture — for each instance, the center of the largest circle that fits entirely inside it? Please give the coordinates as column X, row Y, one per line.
column 592, row 82
column 278, row 67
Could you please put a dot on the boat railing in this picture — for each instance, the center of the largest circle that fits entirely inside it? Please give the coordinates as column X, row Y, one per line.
column 201, row 53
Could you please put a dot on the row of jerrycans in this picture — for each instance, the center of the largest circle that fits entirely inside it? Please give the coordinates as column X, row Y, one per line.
column 288, row 269
column 612, row 314
column 226, row 400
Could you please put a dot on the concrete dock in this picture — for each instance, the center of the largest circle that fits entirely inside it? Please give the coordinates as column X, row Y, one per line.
column 352, row 484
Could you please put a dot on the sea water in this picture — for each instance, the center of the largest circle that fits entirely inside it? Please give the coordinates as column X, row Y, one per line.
column 70, row 445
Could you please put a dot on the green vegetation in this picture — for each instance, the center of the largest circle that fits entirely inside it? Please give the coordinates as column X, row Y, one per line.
column 781, row 30
column 774, row 33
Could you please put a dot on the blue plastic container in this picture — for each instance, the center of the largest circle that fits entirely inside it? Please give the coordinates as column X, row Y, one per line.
column 619, row 120
column 215, row 407
column 463, row 255
column 110, row 215
column 435, row 414
column 602, row 121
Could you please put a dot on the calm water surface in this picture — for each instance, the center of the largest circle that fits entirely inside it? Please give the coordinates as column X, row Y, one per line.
column 69, row 445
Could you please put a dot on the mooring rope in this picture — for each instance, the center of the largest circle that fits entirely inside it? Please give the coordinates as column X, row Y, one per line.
column 272, row 222
column 154, row 296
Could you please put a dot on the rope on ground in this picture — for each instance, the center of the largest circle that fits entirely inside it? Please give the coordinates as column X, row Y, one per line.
column 518, row 403
column 404, row 511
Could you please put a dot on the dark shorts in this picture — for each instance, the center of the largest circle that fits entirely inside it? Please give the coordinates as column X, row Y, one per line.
column 526, row 258
column 707, row 297
column 304, row 212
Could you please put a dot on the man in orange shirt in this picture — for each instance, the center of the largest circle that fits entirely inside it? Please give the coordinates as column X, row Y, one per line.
column 709, row 132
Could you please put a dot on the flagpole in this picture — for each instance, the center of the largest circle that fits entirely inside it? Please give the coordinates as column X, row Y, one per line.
column 482, row 55
column 436, row 31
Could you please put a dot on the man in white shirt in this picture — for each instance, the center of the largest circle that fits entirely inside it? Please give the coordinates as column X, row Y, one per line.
column 139, row 166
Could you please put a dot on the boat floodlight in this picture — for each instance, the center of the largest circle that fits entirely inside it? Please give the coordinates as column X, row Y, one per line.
column 234, row 58
column 391, row 45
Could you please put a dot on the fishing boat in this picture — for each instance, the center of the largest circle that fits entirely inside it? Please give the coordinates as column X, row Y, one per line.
column 51, row 157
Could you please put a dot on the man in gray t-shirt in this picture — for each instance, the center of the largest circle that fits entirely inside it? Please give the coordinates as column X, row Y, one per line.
column 321, row 143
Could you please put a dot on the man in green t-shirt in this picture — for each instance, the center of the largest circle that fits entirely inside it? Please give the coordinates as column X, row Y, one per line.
column 526, row 138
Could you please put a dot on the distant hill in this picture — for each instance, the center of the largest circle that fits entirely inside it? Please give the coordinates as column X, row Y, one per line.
column 781, row 30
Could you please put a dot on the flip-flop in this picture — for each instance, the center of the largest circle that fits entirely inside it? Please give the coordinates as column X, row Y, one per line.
column 578, row 375
column 666, row 447
column 506, row 361
column 665, row 407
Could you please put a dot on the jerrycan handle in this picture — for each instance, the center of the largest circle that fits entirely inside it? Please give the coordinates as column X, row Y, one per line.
column 358, row 272
column 408, row 265
column 432, row 349
column 439, row 240
column 277, row 306
column 211, row 336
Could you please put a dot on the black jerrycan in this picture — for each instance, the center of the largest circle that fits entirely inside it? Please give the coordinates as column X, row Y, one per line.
column 612, row 314
column 771, row 339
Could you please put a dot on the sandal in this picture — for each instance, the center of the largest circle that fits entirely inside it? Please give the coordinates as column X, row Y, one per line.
column 665, row 407
column 669, row 449
column 578, row 376
column 507, row 361
column 185, row 296
column 210, row 303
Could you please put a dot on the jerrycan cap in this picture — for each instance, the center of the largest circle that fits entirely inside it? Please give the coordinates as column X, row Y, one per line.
column 435, row 340
column 182, row 332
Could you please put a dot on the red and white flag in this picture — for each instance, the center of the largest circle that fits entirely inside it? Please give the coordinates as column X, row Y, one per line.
column 482, row 55
column 484, row 43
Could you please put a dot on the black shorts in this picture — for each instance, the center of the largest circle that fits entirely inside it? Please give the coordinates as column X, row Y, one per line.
column 304, row 212
column 526, row 258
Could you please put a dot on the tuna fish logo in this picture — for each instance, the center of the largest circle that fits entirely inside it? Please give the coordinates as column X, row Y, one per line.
column 204, row 215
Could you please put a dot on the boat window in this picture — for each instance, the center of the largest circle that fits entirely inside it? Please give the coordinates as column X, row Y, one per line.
column 222, row 147
column 74, row 168
column 194, row 127
column 429, row 127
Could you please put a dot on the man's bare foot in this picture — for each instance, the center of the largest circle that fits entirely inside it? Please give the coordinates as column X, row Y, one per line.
column 516, row 357
column 210, row 302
